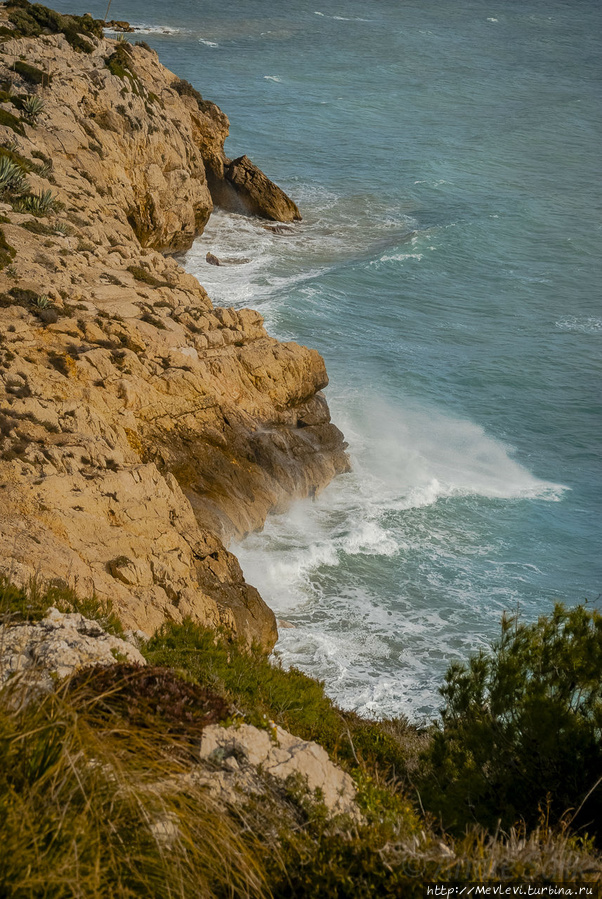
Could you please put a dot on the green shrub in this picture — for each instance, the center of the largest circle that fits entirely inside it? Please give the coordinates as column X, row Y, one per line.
column 31, row 603
column 521, row 729
column 185, row 89
column 12, row 179
column 31, row 73
column 119, row 63
column 7, row 253
column 31, row 19
column 11, row 121
column 32, row 106
column 38, row 204
column 263, row 691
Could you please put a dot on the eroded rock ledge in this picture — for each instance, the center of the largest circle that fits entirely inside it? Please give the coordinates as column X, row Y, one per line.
column 140, row 427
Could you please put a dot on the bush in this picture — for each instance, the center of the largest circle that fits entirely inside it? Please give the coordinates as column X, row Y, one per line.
column 7, row 253
column 521, row 729
column 11, row 121
column 261, row 691
column 95, row 804
column 31, row 19
column 31, row 73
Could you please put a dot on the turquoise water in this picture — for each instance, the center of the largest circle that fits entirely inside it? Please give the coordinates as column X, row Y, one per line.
column 446, row 161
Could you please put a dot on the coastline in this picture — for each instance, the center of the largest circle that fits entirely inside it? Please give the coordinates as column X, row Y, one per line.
column 143, row 428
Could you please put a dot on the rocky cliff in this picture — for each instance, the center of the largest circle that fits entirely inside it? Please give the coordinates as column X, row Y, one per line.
column 140, row 427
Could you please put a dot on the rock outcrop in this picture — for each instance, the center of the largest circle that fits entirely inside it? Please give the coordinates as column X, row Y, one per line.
column 140, row 427
column 238, row 750
column 257, row 194
column 60, row 644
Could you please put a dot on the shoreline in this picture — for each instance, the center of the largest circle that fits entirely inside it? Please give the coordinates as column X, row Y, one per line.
column 193, row 423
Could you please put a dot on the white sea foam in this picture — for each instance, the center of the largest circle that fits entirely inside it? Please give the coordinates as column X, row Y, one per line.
column 207, row 43
column 421, row 455
column 492, row 20
column 398, row 257
column 320, row 564
column 275, row 78
column 342, row 18
column 583, row 324
column 142, row 28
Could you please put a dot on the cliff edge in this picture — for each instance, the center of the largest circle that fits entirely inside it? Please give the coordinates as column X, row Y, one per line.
column 140, row 427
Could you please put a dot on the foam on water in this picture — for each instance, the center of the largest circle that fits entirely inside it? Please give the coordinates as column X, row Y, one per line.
column 143, row 28
column 320, row 565
column 414, row 137
column 583, row 324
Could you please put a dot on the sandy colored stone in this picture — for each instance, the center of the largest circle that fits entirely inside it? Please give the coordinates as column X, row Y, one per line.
column 60, row 644
column 238, row 748
column 140, row 429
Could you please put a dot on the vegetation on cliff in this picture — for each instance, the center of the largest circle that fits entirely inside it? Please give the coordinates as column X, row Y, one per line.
column 138, row 426
column 99, row 797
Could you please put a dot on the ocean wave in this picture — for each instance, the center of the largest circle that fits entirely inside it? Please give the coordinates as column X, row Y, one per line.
column 343, row 18
column 398, row 257
column 207, row 43
column 275, row 78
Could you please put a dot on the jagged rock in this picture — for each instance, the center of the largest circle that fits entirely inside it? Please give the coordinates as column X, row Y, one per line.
column 143, row 423
column 59, row 644
column 239, row 748
column 279, row 229
column 231, row 260
column 258, row 194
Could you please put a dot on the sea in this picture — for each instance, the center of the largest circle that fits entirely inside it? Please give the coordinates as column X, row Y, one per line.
column 446, row 160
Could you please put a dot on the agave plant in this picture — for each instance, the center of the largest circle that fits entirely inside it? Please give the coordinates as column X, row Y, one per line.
column 39, row 204
column 31, row 108
column 12, row 179
column 43, row 169
column 43, row 301
column 63, row 228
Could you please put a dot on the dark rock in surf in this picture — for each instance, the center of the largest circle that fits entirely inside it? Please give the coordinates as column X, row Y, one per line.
column 279, row 229
column 258, row 194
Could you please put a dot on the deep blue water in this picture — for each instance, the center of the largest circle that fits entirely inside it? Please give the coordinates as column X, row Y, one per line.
column 446, row 159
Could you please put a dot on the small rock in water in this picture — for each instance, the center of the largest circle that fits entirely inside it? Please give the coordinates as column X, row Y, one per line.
column 213, row 260
column 279, row 229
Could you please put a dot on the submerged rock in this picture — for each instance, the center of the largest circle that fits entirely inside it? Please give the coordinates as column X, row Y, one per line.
column 232, row 260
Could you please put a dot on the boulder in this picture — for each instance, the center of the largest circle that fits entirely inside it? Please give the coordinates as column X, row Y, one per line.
column 59, row 644
column 258, row 195
column 240, row 748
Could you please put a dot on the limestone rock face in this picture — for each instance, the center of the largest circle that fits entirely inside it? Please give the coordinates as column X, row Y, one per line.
column 60, row 644
column 258, row 194
column 240, row 748
column 140, row 427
